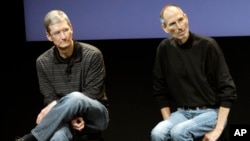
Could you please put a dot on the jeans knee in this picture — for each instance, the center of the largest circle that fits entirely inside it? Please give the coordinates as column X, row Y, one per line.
column 179, row 133
column 153, row 134
column 76, row 94
column 158, row 135
column 175, row 133
column 74, row 97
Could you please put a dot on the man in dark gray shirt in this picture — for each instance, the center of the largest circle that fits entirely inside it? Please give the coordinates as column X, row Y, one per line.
column 71, row 77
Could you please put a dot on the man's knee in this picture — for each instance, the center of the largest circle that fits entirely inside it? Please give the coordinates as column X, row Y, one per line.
column 177, row 133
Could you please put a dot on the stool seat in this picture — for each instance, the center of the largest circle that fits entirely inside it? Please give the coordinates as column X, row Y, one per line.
column 96, row 136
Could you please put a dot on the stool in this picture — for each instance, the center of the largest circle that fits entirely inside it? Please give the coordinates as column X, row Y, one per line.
column 96, row 136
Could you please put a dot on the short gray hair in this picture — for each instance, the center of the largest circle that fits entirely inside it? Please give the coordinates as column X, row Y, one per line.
column 53, row 17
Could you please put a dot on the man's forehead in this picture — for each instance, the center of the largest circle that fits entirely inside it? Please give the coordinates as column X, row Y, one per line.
column 61, row 24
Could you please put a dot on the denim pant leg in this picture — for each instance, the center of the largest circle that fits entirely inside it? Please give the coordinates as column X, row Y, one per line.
column 161, row 132
column 62, row 134
column 95, row 115
column 199, row 123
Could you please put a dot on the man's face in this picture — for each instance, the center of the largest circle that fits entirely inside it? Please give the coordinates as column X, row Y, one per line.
column 176, row 23
column 60, row 34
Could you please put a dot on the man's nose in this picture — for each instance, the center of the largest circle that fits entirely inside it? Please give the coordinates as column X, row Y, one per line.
column 178, row 25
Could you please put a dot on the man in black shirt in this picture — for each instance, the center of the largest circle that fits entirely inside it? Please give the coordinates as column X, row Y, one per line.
column 190, row 72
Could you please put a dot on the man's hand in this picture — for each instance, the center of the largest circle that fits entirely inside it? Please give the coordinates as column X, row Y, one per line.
column 44, row 112
column 212, row 135
column 77, row 123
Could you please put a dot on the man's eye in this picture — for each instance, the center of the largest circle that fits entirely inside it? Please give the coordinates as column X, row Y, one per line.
column 65, row 30
column 56, row 33
column 172, row 24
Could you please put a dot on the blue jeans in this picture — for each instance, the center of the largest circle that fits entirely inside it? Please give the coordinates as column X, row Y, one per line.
column 55, row 125
column 185, row 125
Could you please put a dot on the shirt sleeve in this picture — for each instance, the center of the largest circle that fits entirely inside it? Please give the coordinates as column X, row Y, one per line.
column 159, row 81
column 94, row 86
column 219, row 75
column 45, row 85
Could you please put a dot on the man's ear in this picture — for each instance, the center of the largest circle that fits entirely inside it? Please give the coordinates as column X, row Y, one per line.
column 71, row 27
column 164, row 28
column 48, row 36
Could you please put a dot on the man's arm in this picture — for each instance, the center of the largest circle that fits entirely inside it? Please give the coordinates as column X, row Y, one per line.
column 94, row 86
column 44, row 83
column 220, row 124
column 44, row 111
column 165, row 112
